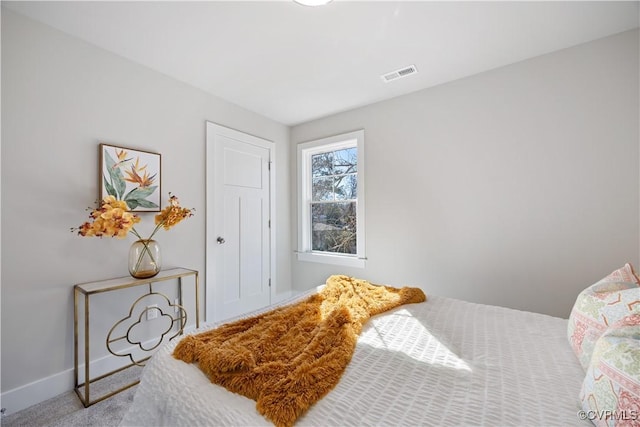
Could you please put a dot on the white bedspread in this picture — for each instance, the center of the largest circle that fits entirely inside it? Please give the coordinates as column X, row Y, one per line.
column 444, row 362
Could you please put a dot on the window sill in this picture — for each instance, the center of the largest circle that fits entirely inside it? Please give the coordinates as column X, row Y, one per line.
column 346, row 261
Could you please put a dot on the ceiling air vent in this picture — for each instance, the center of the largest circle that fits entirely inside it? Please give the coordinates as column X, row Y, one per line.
column 403, row 72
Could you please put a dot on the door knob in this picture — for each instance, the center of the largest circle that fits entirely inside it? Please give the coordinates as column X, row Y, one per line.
column 220, row 240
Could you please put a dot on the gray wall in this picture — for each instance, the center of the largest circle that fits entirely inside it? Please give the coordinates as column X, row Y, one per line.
column 517, row 187
column 61, row 97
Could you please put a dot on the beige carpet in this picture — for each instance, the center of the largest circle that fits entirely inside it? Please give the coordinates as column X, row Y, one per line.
column 66, row 410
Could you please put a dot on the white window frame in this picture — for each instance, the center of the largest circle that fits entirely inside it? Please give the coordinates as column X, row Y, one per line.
column 305, row 151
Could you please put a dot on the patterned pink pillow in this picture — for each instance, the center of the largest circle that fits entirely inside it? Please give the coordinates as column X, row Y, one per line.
column 600, row 305
column 610, row 392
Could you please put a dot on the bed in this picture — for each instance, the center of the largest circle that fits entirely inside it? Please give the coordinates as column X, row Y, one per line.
column 443, row 362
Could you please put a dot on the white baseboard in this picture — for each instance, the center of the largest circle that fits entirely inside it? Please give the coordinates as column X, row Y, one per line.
column 43, row 389
column 277, row 298
column 38, row 391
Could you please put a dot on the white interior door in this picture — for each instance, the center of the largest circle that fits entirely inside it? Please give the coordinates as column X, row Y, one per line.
column 238, row 276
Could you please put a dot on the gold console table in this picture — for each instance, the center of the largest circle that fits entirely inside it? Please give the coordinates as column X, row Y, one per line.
column 177, row 316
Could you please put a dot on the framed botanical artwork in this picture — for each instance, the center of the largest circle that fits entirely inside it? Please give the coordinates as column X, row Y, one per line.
column 130, row 175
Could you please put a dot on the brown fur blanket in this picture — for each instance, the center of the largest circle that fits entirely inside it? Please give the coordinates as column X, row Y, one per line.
column 289, row 358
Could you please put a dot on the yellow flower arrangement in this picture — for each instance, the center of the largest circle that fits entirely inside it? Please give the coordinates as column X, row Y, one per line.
column 113, row 219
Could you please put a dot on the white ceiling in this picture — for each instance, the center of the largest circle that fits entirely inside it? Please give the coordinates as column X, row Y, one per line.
column 294, row 63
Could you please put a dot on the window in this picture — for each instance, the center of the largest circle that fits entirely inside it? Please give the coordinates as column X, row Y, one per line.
column 331, row 209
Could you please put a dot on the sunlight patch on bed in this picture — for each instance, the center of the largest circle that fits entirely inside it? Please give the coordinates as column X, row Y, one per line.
column 416, row 341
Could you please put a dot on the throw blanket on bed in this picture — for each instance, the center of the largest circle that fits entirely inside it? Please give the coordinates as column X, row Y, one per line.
column 288, row 358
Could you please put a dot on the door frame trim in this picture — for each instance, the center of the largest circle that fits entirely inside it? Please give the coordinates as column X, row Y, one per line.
column 212, row 129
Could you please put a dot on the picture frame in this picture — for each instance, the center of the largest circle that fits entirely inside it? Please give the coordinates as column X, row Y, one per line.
column 131, row 175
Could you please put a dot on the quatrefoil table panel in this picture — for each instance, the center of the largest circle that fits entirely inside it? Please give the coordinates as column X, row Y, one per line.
column 124, row 339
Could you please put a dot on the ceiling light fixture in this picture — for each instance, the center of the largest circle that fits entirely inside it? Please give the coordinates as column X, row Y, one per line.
column 312, row 2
